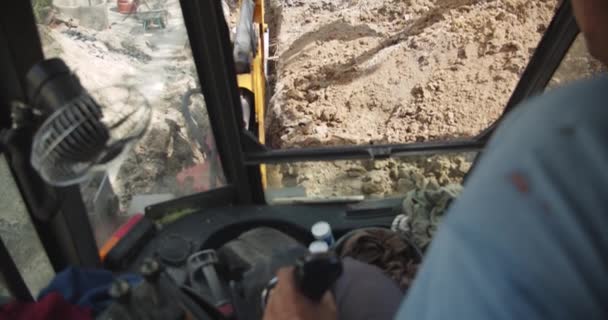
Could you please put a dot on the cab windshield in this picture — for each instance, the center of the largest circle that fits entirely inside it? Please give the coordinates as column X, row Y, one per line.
column 353, row 73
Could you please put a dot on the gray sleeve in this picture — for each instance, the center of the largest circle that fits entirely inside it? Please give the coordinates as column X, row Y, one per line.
column 527, row 239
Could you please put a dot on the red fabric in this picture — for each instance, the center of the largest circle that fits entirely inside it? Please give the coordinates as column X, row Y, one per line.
column 52, row 306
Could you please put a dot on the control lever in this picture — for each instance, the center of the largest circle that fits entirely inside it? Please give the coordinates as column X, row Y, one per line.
column 156, row 298
column 317, row 273
column 314, row 274
column 205, row 261
column 120, row 291
column 151, row 292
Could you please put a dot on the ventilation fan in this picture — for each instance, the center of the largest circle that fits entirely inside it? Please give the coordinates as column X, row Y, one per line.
column 80, row 132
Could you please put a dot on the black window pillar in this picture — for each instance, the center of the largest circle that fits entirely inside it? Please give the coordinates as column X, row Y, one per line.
column 58, row 214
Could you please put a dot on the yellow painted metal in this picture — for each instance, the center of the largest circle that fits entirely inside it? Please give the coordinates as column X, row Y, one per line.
column 245, row 81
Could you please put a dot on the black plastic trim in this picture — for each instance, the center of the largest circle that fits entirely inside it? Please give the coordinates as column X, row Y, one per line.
column 372, row 152
column 58, row 214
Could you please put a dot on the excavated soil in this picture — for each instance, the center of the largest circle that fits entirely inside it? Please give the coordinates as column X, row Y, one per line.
column 392, row 71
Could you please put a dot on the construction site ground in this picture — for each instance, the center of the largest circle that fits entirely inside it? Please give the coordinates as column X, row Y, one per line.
column 342, row 72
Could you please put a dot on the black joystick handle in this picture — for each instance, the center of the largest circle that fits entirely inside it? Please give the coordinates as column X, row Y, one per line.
column 120, row 291
column 150, row 270
column 317, row 273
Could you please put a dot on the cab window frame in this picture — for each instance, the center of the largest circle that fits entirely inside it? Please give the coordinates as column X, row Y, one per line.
column 550, row 51
column 240, row 154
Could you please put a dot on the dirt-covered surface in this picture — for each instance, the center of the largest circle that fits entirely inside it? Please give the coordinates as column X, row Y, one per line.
column 355, row 72
column 392, row 71
column 371, row 179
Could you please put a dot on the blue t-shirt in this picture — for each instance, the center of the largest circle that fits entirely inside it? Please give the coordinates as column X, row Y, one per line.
column 528, row 238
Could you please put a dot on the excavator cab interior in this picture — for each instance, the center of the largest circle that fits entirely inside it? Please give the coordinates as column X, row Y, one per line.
column 211, row 250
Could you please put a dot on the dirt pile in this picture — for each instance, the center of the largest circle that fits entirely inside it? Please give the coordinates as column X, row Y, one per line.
column 353, row 72
column 392, row 71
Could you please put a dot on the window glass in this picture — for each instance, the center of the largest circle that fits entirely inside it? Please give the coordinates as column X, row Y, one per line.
column 577, row 64
column 142, row 45
column 364, row 179
column 4, row 292
column 395, row 71
column 20, row 237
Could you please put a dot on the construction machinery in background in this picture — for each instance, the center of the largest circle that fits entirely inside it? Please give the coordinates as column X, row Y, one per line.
column 251, row 49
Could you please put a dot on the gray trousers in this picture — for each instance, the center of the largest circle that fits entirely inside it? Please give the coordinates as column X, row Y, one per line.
column 364, row 292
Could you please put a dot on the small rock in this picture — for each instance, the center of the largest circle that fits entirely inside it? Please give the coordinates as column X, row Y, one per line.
column 419, row 180
column 321, row 130
column 423, row 61
column 464, row 167
column 444, row 179
column 311, row 96
column 370, row 187
column 303, row 178
column 373, row 183
column 405, row 185
column 355, row 172
column 394, row 173
column 541, row 28
column 418, row 92
column 405, row 172
column 462, row 53
column 378, row 165
column 511, row 47
column 432, row 184
column 368, row 164
column 294, row 94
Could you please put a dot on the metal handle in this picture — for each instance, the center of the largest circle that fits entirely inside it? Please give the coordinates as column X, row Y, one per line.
column 317, row 273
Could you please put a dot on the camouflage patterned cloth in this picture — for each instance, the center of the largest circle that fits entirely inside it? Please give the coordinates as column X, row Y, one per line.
column 422, row 212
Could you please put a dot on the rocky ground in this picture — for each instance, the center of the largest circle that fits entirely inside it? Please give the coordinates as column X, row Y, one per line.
column 370, row 179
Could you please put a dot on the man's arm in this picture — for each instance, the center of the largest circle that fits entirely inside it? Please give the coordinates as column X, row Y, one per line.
column 287, row 303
